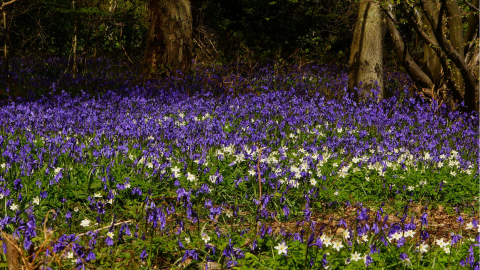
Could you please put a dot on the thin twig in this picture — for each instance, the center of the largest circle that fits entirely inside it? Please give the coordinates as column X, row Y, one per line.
column 6, row 4
column 120, row 42
column 106, row 227
column 470, row 5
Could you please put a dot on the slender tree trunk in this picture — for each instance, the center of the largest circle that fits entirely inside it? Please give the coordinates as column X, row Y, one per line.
column 416, row 73
column 455, row 29
column 455, row 26
column 85, row 47
column 472, row 29
column 366, row 57
column 431, row 63
column 459, row 61
column 74, row 44
column 5, row 48
column 94, row 65
column 169, row 40
column 471, row 53
column 431, row 23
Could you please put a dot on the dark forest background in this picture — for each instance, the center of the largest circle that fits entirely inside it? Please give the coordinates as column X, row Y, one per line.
column 224, row 30
column 254, row 31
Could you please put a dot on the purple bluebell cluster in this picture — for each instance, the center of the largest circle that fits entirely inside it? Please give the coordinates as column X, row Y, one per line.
column 181, row 170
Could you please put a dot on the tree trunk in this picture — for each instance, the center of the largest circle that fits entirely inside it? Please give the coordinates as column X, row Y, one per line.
column 455, row 29
column 169, row 41
column 414, row 71
column 431, row 23
column 366, row 56
column 455, row 26
column 459, row 61
column 74, row 44
column 5, row 48
column 472, row 29
column 431, row 64
column 94, row 65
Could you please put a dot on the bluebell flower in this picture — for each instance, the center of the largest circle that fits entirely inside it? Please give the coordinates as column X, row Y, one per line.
column 231, row 263
column 228, row 251
column 460, row 219
column 254, row 244
column 190, row 253
column 368, row 260
column 286, row 211
column 342, row 223
column 455, row 238
column 143, row 254
column 109, row 241
column 424, row 219
column 90, row 256
column 424, row 235
column 401, row 242
column 324, row 260
column 384, row 241
column 211, row 247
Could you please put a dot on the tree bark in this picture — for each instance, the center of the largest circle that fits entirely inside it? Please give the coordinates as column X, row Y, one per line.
column 414, row 71
column 459, row 61
column 94, row 65
column 5, row 48
column 13, row 256
column 472, row 29
column 74, row 44
column 431, row 64
column 366, row 56
column 452, row 52
column 432, row 42
column 471, row 53
column 169, row 41
column 455, row 28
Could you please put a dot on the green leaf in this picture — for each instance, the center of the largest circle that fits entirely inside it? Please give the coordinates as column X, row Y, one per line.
column 249, row 255
column 96, row 185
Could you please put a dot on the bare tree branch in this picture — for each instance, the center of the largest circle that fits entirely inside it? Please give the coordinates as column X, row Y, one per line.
column 4, row 4
column 458, row 60
column 472, row 29
column 470, row 54
column 415, row 72
column 432, row 41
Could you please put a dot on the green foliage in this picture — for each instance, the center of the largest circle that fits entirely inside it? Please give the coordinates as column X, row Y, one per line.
column 99, row 27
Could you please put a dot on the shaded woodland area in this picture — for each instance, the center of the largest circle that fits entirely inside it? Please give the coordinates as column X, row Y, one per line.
column 435, row 42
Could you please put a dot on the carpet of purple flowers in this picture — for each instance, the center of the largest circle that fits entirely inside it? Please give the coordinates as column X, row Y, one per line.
column 272, row 167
